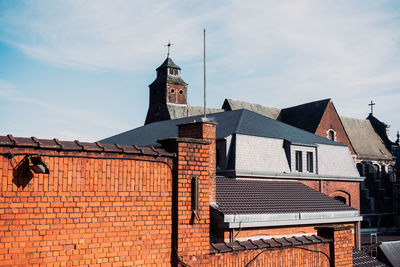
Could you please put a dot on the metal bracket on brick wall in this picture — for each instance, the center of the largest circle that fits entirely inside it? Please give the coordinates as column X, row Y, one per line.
column 195, row 197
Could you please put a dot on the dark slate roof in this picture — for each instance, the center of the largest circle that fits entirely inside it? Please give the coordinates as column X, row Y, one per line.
column 284, row 242
column 247, row 196
column 306, row 116
column 230, row 122
column 55, row 144
column 391, row 250
column 363, row 259
column 270, row 112
column 168, row 63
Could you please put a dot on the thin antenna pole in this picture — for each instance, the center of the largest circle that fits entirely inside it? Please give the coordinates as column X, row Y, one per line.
column 204, row 63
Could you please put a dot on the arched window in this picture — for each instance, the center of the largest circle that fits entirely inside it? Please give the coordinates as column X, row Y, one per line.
column 342, row 196
column 375, row 167
column 390, row 169
column 331, row 134
column 341, row 199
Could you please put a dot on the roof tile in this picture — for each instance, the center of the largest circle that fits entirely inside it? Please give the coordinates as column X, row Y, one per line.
column 249, row 196
column 260, row 244
column 272, row 243
column 257, row 244
column 235, row 246
column 55, row 144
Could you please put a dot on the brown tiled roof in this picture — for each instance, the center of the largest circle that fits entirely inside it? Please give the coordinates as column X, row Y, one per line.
column 365, row 141
column 248, row 196
column 55, row 144
column 363, row 259
column 266, row 243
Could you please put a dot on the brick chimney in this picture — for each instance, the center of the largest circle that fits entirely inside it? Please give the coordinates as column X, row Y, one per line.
column 341, row 249
column 205, row 131
column 195, row 161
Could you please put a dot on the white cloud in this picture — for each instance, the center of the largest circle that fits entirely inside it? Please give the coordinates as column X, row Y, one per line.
column 45, row 119
column 99, row 34
column 277, row 53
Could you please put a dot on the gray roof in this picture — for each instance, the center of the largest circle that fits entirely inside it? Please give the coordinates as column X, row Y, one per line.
column 177, row 111
column 306, row 116
column 247, row 196
column 168, row 63
column 231, row 122
column 270, row 112
column 365, row 141
column 362, row 259
column 391, row 250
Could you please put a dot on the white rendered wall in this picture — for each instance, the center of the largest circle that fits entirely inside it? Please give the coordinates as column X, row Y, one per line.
column 260, row 154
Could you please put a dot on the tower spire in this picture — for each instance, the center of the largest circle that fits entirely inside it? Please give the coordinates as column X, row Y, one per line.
column 169, row 47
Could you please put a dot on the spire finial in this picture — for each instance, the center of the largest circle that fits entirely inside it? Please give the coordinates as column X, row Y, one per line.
column 372, row 107
column 169, row 46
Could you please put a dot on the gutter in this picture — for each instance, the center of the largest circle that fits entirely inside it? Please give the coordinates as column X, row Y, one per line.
column 287, row 219
column 304, row 176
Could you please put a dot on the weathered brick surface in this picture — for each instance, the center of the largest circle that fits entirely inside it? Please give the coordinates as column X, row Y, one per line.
column 176, row 93
column 130, row 211
column 341, row 250
column 205, row 131
column 331, row 120
column 86, row 212
column 285, row 257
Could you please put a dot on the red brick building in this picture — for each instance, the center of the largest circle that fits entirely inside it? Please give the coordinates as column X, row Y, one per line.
column 112, row 205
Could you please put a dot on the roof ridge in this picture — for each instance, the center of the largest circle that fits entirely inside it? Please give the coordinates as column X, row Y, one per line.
column 309, row 103
column 55, row 144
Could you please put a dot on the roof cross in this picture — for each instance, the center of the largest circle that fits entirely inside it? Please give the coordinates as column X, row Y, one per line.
column 169, row 46
column 372, row 107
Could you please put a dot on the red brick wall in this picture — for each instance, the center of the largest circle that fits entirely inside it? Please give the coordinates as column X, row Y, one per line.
column 338, row 188
column 87, row 212
column 206, row 131
column 193, row 236
column 285, row 257
column 331, row 120
column 342, row 254
column 270, row 231
column 175, row 95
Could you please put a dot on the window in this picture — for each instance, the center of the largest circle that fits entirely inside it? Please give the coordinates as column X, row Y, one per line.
column 310, row 162
column 172, row 90
column 331, row 135
column 390, row 169
column 181, row 92
column 299, row 161
column 341, row 199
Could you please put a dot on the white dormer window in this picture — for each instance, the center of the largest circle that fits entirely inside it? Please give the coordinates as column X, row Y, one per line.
column 299, row 161
column 310, row 162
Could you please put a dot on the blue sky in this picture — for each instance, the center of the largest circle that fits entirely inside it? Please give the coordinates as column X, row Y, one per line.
column 81, row 69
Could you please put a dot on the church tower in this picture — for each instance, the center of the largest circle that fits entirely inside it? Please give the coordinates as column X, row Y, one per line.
column 167, row 89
